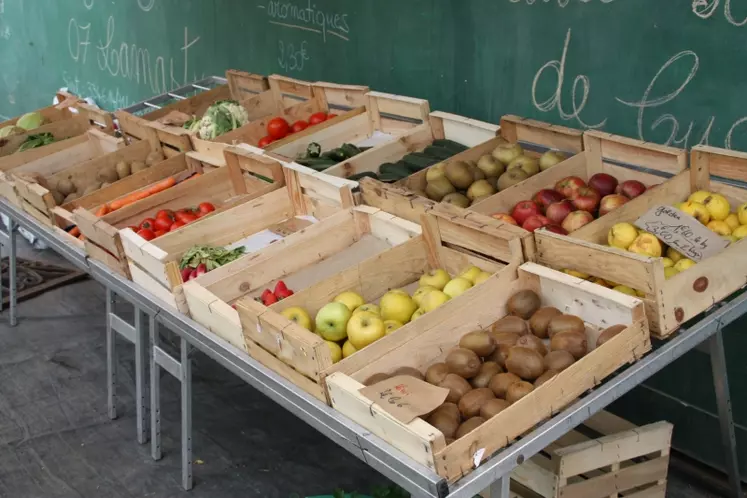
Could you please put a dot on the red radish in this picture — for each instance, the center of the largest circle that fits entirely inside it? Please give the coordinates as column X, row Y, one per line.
column 186, row 273
column 201, row 269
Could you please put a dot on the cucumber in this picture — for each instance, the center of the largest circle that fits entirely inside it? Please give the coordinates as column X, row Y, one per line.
column 397, row 170
column 365, row 174
column 436, row 152
column 450, row 144
column 318, row 164
column 350, row 150
column 419, row 160
column 335, row 155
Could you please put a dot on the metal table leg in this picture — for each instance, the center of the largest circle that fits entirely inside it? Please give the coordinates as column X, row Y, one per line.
column 501, row 487
column 12, row 226
column 141, row 339
column 726, row 420
column 186, row 380
column 111, row 358
column 155, row 393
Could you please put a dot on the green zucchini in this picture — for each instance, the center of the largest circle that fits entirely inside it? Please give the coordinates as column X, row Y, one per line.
column 335, row 155
column 450, row 144
column 419, row 160
column 440, row 153
column 319, row 164
column 350, row 150
column 365, row 174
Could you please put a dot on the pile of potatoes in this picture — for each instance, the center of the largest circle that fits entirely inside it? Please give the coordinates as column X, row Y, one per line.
column 68, row 189
column 491, row 370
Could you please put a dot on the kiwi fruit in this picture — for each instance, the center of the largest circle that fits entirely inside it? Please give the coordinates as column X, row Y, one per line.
column 499, row 383
column 450, row 409
column 444, row 422
column 108, row 174
column 436, row 373
column 565, row 323
column 505, row 338
column 558, row 360
column 511, row 178
column 65, row 187
column 518, row 390
column 500, row 354
column 153, row 158
column 541, row 319
column 525, row 362
column 479, row 341
column 545, row 377
column 137, row 166
column 513, row 324
column 376, row 378
column 456, row 199
column 459, row 174
column 123, row 169
column 439, row 188
column 412, row 372
column 493, row 407
column 470, row 404
column 58, row 197
column 457, row 387
column 532, row 342
column 71, row 197
column 609, row 333
column 463, row 362
column 523, row 304
column 487, row 371
column 570, row 341
column 469, row 426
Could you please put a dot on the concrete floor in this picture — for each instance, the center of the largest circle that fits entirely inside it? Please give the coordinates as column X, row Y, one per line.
column 57, row 441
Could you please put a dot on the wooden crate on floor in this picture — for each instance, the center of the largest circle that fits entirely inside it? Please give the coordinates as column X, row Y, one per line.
column 598, row 307
column 606, row 456
column 669, row 302
column 252, row 90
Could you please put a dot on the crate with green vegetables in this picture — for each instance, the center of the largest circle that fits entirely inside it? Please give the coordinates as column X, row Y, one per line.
column 319, row 160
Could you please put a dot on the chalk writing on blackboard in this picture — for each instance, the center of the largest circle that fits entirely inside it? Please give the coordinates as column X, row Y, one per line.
column 307, row 17
column 291, row 58
column 561, row 3
column 682, row 232
column 706, row 8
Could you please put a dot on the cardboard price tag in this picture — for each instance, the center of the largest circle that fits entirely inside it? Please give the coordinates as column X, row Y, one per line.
column 405, row 398
column 682, row 232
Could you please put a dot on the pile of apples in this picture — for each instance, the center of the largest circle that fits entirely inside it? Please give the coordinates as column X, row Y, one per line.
column 572, row 203
column 349, row 323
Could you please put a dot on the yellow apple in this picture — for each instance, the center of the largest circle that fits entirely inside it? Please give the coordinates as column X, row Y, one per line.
column 667, row 262
column 577, row 274
column 674, row 255
column 365, row 328
column 435, row 278
column 625, row 290
column 371, row 307
column 335, row 351
column 742, row 214
column 599, row 281
column 418, row 313
column 350, row 299
column 719, row 227
column 639, row 293
column 397, row 305
column 392, row 325
column 471, row 273
column 300, row 316
column 718, row 206
column 670, row 272
column 433, row 300
column 697, row 211
column 419, row 294
column 348, row 349
column 684, row 264
column 483, row 276
column 332, row 321
column 457, row 287
column 646, row 244
column 622, row 235
column 740, row 232
column 731, row 238
column 733, row 221
column 699, row 196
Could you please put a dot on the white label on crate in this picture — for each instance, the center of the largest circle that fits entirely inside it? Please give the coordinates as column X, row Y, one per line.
column 477, row 457
column 377, row 138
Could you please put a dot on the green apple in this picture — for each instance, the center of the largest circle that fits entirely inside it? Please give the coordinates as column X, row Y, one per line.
column 332, row 321
column 365, row 328
column 471, row 273
column 350, row 299
column 392, row 325
column 419, row 294
column 483, row 276
column 432, row 301
column 298, row 315
column 373, row 308
column 335, row 351
column 435, row 278
column 397, row 305
column 457, row 287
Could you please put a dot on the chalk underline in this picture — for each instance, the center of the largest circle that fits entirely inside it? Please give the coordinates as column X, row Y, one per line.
column 306, row 28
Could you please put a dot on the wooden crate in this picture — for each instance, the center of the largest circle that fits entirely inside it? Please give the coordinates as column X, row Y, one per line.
column 599, row 307
column 298, row 100
column 70, row 106
column 364, row 250
column 62, row 130
column 606, row 456
column 669, row 303
column 102, row 240
column 384, row 118
column 249, row 89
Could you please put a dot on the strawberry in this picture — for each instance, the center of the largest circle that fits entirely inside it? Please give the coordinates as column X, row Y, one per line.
column 269, row 298
column 283, row 293
column 280, row 288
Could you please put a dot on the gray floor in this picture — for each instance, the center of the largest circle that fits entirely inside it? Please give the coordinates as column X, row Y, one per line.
column 56, row 439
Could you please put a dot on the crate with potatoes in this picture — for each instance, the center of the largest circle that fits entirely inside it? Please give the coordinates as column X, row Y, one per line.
column 679, row 246
column 360, row 283
column 544, row 339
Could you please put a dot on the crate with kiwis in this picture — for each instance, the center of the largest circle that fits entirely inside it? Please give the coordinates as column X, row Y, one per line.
column 548, row 339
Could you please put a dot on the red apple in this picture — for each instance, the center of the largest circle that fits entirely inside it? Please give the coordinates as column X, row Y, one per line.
column 610, row 202
column 586, row 199
column 534, row 222
column 552, row 227
column 557, row 211
column 631, row 189
column 524, row 210
column 547, row 196
column 604, row 184
column 576, row 220
column 505, row 217
column 567, row 185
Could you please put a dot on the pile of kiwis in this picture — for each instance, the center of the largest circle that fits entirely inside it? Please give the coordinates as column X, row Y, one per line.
column 490, row 370
column 465, row 183
column 67, row 189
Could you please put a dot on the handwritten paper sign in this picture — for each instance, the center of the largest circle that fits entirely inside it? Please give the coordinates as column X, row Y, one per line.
column 405, row 398
column 682, row 232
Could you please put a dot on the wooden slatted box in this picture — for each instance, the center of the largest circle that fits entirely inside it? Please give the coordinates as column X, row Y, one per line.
column 598, row 307
column 669, row 302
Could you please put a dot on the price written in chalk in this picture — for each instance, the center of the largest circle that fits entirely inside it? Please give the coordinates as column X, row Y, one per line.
column 682, row 232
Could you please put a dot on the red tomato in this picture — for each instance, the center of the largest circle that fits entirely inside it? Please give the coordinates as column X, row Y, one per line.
column 163, row 223
column 188, row 218
column 330, row 116
column 148, row 224
column 161, row 232
column 319, row 117
column 166, row 214
column 300, row 125
column 205, row 208
column 133, row 228
column 176, row 226
column 265, row 142
column 278, row 128
column 146, row 234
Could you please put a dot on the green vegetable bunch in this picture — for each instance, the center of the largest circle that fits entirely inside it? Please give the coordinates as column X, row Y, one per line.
column 38, row 140
column 220, row 118
column 213, row 257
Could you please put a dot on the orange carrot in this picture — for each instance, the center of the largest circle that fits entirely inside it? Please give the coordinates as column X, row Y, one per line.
column 74, row 232
column 162, row 185
column 103, row 210
column 142, row 194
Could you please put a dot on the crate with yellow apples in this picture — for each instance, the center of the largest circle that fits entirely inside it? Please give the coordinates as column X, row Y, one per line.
column 613, row 252
column 521, row 349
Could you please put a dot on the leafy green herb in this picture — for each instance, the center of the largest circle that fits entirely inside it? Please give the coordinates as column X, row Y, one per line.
column 213, row 257
column 35, row 141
